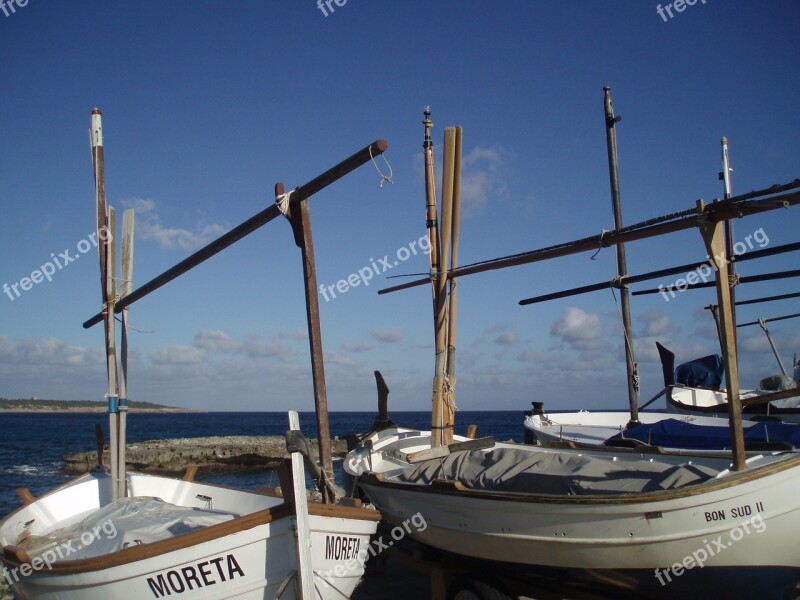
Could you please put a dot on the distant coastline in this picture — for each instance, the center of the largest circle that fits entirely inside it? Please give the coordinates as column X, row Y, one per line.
column 36, row 405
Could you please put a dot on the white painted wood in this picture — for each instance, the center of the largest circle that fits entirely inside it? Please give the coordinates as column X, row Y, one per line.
column 306, row 569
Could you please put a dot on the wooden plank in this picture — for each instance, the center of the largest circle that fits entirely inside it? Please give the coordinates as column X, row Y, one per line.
column 25, row 495
column 443, row 451
column 190, row 473
column 303, row 531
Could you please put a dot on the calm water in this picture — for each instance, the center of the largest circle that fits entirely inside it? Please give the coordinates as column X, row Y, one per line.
column 33, row 444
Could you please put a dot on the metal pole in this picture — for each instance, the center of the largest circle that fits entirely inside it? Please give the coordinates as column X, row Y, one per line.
column 300, row 218
column 763, row 324
column 622, row 268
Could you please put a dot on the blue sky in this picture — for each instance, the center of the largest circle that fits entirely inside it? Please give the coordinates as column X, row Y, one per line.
column 208, row 104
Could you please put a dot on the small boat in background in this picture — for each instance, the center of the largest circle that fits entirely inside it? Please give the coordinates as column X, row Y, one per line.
column 693, row 388
column 676, row 433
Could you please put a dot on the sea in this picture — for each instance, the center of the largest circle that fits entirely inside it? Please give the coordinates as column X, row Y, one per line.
column 32, row 445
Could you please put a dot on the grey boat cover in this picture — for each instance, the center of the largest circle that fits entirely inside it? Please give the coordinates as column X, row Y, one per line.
column 560, row 473
column 120, row 524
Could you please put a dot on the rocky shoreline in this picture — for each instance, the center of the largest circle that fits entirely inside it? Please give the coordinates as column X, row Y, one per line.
column 217, row 453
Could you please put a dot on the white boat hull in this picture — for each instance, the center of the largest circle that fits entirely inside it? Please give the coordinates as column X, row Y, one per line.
column 753, row 515
column 249, row 557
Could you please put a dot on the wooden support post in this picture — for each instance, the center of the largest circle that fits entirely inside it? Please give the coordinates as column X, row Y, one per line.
column 98, row 436
column 714, row 237
column 300, row 218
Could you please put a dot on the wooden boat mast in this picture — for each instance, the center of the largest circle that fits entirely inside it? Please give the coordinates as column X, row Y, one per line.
column 622, row 268
column 105, row 231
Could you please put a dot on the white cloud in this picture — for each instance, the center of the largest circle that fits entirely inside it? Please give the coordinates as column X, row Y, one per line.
column 655, row 323
column 357, row 346
column 481, row 178
column 251, row 345
column 149, row 227
column 507, row 338
column 178, row 355
column 388, row 336
column 578, row 329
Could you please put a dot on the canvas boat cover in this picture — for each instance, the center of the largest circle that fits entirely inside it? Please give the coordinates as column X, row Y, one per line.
column 518, row 470
column 673, row 433
column 706, row 372
column 121, row 524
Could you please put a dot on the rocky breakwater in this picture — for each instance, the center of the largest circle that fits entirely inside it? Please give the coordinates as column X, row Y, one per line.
column 223, row 453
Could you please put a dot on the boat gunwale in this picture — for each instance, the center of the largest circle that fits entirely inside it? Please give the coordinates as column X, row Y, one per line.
column 454, row 488
column 185, row 540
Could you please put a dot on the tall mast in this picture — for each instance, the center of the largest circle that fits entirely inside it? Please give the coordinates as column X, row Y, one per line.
column 622, row 268
column 105, row 224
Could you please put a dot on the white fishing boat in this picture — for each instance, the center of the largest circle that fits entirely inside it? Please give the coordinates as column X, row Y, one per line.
column 677, row 433
column 114, row 534
column 639, row 525
column 625, row 523
column 173, row 537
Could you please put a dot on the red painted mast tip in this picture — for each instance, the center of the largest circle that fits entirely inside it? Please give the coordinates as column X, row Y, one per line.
column 96, row 111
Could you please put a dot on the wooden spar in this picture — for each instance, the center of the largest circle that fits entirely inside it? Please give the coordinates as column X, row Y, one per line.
column 302, row 526
column 249, row 226
column 744, row 205
column 622, row 268
column 300, row 219
column 743, row 279
column 125, row 287
column 453, row 291
column 105, row 231
column 441, row 425
column 714, row 238
column 631, row 279
column 769, row 298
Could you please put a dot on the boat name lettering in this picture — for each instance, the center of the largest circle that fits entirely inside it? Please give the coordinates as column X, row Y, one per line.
column 195, row 576
column 740, row 511
column 339, row 547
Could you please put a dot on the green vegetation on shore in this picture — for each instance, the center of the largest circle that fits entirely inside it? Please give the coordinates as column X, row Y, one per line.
column 37, row 404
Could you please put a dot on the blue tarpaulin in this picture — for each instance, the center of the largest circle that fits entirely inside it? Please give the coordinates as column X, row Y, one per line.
column 672, row 433
column 703, row 372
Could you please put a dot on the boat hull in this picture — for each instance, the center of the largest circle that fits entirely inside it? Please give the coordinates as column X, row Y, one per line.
column 745, row 520
column 249, row 557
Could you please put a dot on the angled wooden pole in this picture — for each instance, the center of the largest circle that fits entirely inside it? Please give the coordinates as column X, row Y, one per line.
column 714, row 238
column 450, row 398
column 300, row 219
